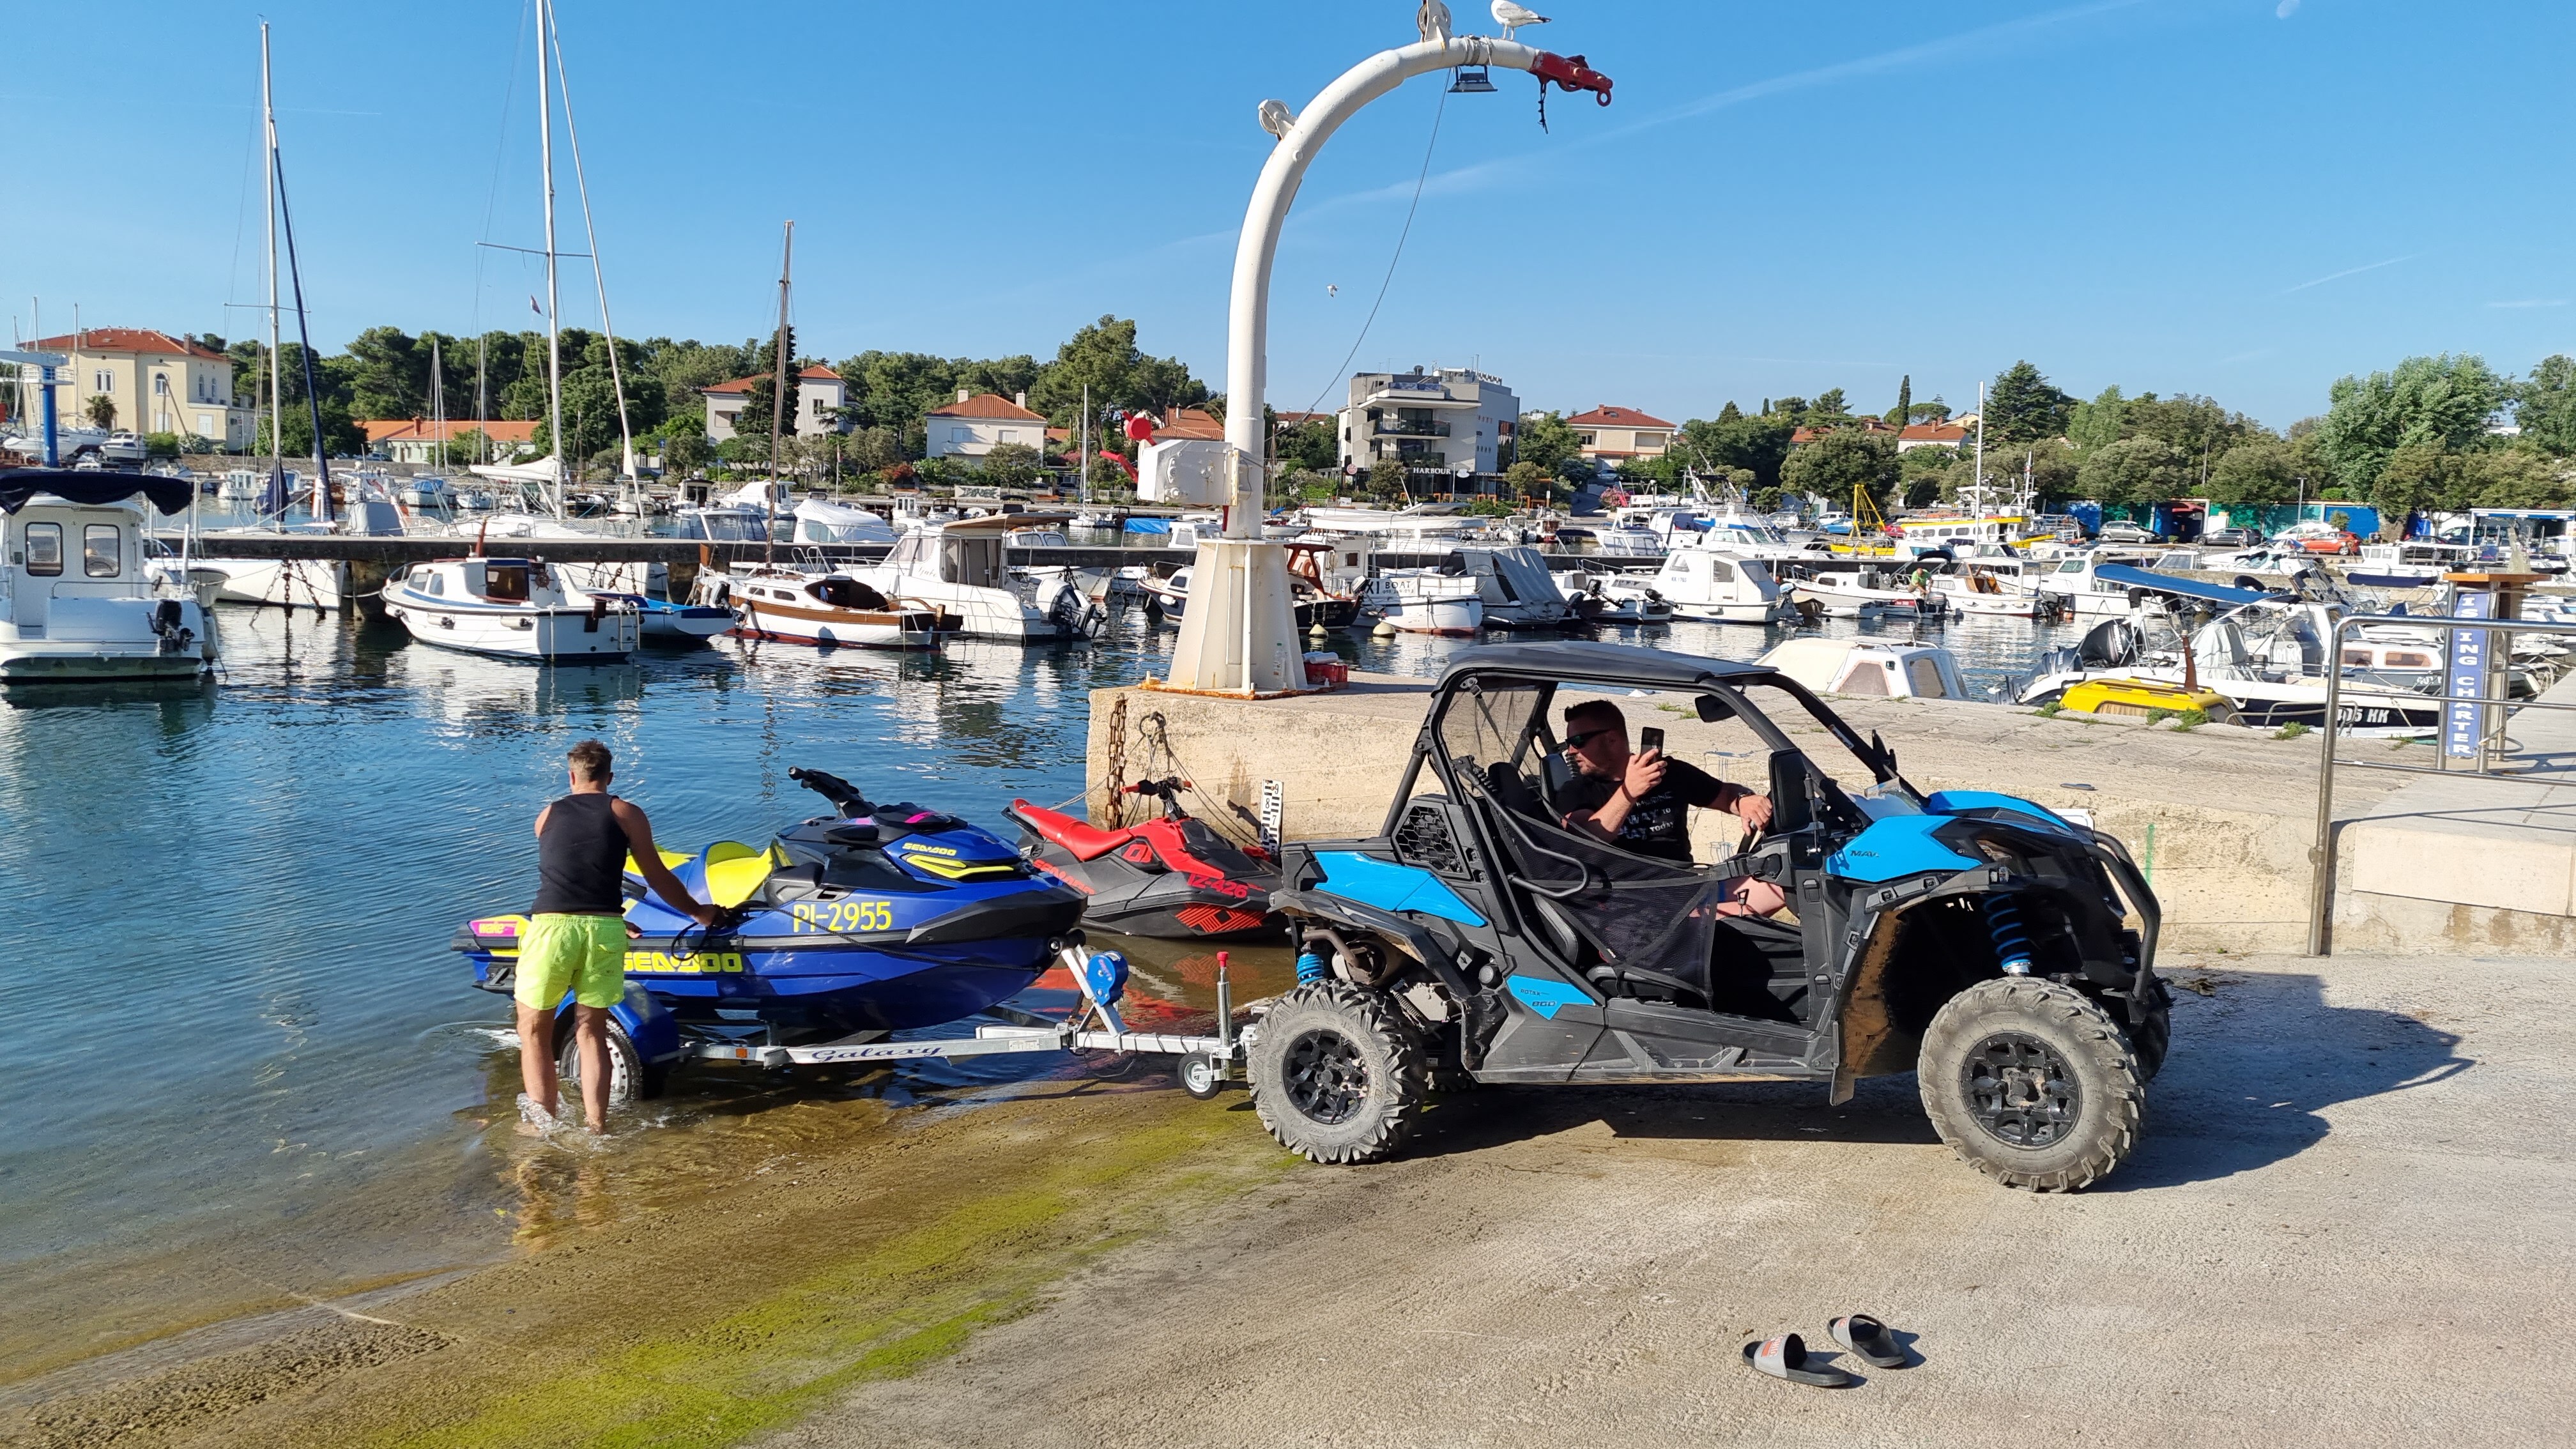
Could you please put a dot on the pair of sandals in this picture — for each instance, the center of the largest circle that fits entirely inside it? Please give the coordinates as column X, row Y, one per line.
column 1785, row 1357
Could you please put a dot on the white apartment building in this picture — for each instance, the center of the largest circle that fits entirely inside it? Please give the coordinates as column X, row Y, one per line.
column 819, row 395
column 979, row 422
column 1441, row 421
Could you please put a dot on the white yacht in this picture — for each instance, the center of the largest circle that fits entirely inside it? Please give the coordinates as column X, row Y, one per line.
column 821, row 521
column 2077, row 579
column 1424, row 601
column 76, row 599
column 513, row 608
column 1708, row 586
column 961, row 570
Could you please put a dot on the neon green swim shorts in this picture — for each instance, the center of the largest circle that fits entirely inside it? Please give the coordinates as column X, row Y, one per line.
column 585, row 955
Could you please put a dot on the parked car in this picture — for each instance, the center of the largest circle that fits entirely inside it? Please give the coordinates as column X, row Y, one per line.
column 2120, row 530
column 2229, row 538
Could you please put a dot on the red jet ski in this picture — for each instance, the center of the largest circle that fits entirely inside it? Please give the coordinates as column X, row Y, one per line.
column 1173, row 877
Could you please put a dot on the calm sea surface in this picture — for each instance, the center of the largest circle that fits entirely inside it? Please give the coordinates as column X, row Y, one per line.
column 228, row 908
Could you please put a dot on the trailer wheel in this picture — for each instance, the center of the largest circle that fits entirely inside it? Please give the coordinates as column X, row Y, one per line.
column 1336, row 1075
column 1198, row 1075
column 2032, row 1084
column 630, row 1080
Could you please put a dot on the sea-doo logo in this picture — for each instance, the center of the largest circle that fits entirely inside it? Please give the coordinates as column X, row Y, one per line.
column 686, row 963
column 913, row 847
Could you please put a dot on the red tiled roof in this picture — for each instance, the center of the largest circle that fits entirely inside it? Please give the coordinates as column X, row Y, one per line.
column 499, row 430
column 1606, row 416
column 815, row 373
column 1190, row 423
column 988, row 405
column 1945, row 433
column 123, row 339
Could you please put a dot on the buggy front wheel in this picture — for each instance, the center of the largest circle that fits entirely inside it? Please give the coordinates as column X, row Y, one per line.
column 1337, row 1076
column 2032, row 1084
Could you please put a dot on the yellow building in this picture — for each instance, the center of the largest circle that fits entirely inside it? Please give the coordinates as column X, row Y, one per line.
column 156, row 382
column 1614, row 435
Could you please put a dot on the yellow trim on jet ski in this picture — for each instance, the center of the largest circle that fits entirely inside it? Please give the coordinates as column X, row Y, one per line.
column 947, row 869
column 736, row 872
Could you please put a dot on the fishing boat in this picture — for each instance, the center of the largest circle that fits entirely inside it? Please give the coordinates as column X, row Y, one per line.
column 1712, row 587
column 1986, row 590
column 511, row 608
column 1607, row 597
column 77, row 601
column 1864, row 594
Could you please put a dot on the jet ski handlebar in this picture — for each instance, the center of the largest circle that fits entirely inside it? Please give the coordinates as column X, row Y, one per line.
column 843, row 795
column 1163, row 789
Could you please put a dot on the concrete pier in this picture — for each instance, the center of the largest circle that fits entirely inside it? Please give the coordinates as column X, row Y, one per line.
column 2222, row 817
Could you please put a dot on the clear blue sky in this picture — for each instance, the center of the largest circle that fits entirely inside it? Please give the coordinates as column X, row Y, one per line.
column 2210, row 196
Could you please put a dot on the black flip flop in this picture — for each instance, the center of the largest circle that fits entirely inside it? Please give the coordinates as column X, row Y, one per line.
column 1785, row 1357
column 1869, row 1338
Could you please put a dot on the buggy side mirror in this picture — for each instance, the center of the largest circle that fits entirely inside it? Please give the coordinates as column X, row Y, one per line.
column 1713, row 709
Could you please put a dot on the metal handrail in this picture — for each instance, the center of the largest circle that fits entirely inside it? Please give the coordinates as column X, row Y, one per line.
column 2321, row 852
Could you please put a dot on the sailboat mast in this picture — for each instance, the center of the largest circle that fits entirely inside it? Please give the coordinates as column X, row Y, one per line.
column 590, row 230
column 276, row 383
column 554, row 329
column 778, row 394
column 1981, row 445
column 1085, row 445
column 438, row 405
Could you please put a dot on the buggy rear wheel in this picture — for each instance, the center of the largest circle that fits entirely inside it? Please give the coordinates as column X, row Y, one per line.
column 630, row 1079
column 1336, row 1075
column 2032, row 1084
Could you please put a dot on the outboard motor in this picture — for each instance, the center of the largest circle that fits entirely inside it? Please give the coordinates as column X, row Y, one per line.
column 174, row 636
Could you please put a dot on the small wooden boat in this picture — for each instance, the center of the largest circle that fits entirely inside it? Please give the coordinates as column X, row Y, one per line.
column 826, row 609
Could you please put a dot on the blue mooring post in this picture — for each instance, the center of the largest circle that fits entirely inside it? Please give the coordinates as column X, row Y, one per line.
column 45, row 391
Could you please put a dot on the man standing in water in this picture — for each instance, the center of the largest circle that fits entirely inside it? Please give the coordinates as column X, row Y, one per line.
column 577, row 939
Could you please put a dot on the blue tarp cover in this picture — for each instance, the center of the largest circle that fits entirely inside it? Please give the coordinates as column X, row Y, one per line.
column 1149, row 525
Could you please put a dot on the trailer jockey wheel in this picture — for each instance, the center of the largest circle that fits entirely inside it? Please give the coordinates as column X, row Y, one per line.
column 1199, row 1075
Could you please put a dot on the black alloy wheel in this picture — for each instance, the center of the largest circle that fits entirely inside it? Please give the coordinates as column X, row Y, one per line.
column 2020, row 1091
column 1325, row 1078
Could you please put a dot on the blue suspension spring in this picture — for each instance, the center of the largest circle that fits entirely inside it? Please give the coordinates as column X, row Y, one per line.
column 2012, row 943
column 1311, row 967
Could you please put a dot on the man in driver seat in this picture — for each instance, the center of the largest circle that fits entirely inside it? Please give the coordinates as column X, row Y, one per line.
column 1640, row 802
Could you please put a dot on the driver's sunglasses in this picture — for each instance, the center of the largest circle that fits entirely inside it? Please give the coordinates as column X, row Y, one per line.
column 1578, row 741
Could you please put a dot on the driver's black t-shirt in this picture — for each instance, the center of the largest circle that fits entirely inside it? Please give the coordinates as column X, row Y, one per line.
column 1657, row 825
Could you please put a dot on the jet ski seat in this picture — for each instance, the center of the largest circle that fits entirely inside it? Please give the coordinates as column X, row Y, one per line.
column 736, row 872
column 1087, row 842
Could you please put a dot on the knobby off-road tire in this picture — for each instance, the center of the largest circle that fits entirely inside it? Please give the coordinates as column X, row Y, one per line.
column 2032, row 1084
column 1337, row 1075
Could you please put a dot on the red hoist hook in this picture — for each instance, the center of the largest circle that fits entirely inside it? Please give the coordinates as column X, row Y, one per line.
column 1571, row 73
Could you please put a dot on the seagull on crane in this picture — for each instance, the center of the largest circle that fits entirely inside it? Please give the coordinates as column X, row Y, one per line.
column 1433, row 21
column 1512, row 17
column 1277, row 119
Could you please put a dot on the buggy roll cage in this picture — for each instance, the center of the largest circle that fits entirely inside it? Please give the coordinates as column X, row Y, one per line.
column 1470, row 678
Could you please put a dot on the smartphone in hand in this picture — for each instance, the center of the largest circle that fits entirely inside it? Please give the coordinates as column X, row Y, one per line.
column 1650, row 738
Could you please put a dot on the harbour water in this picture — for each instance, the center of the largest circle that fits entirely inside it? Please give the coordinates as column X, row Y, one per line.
column 240, row 1034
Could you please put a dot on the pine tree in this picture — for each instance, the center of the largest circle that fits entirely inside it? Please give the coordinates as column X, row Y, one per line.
column 753, row 421
column 1904, row 400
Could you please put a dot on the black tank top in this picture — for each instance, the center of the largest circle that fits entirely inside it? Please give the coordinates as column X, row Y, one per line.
column 581, row 857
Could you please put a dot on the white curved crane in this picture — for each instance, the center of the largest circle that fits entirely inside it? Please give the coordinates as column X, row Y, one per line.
column 1239, row 636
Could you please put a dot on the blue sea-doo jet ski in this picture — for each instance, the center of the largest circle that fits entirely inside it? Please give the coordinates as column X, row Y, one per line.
column 875, row 919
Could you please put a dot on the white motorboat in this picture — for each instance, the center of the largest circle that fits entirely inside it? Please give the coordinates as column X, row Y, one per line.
column 1424, row 601
column 723, row 523
column 1862, row 594
column 1514, row 583
column 2416, row 565
column 1745, row 535
column 821, row 521
column 77, row 601
column 1993, row 590
column 828, row 609
column 2077, row 579
column 961, row 570
column 1870, row 667
column 2119, row 649
column 1712, row 587
column 426, row 490
column 511, row 608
